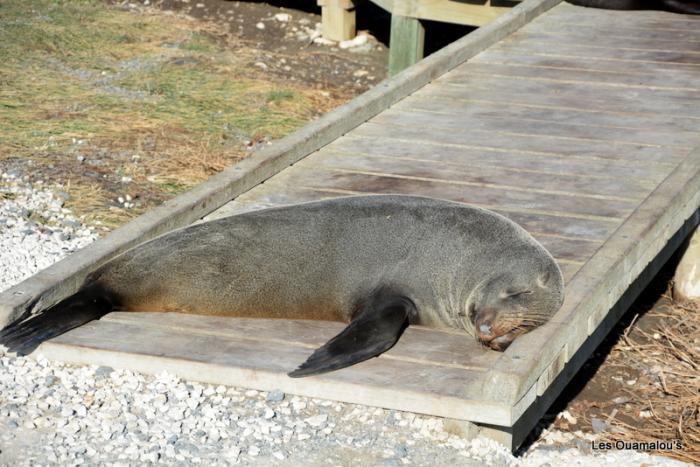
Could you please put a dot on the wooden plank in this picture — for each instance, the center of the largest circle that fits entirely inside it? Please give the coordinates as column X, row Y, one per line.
column 448, row 11
column 466, row 157
column 550, row 385
column 604, row 36
column 646, row 19
column 667, row 80
column 64, row 278
column 623, row 30
column 213, row 358
column 662, row 59
column 547, row 113
column 570, row 183
column 449, row 347
column 338, row 19
column 505, row 124
column 566, row 205
column 679, row 76
column 406, row 43
column 584, row 95
column 526, row 144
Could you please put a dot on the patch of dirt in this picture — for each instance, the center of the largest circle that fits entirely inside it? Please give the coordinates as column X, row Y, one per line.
column 283, row 41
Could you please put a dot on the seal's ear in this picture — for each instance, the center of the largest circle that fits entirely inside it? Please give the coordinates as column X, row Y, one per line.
column 377, row 326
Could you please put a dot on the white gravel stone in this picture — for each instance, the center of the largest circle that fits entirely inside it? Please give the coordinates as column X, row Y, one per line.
column 317, row 421
column 275, row 396
column 34, row 231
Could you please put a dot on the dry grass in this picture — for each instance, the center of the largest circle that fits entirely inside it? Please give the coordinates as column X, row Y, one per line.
column 88, row 201
column 86, row 81
column 668, row 407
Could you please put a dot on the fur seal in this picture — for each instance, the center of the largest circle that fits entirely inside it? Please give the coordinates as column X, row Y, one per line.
column 378, row 262
column 688, row 7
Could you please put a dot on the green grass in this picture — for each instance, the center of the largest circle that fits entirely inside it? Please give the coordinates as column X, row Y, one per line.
column 279, row 96
column 117, row 67
column 199, row 43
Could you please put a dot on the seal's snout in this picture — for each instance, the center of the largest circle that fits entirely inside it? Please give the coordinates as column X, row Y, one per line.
column 484, row 323
column 485, row 329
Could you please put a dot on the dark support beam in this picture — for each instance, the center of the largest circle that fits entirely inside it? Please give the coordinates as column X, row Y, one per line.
column 406, row 43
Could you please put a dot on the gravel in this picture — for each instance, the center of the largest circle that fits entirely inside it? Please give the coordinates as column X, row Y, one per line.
column 62, row 414
column 35, row 229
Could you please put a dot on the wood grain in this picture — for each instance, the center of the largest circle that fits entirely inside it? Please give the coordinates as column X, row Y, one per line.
column 463, row 157
column 596, row 218
column 525, row 144
column 628, row 189
column 504, row 125
column 586, row 95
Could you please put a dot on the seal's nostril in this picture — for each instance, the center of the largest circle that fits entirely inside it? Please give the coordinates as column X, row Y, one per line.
column 485, row 329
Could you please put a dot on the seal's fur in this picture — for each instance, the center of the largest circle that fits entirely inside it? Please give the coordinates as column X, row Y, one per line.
column 369, row 260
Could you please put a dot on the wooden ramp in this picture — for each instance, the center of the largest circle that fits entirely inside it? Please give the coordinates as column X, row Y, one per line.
column 578, row 124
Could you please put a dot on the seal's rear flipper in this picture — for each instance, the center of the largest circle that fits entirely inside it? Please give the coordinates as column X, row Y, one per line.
column 374, row 330
column 78, row 309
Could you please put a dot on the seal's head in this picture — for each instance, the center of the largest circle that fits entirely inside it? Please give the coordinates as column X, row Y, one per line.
column 512, row 303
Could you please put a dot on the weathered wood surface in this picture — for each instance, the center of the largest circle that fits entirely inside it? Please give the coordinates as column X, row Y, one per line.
column 338, row 19
column 406, row 43
column 596, row 162
column 446, row 11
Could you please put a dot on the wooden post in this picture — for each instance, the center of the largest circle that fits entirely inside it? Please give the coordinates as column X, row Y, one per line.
column 406, row 43
column 338, row 19
column 686, row 282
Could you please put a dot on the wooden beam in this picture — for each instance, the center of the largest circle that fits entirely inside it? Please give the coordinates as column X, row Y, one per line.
column 406, row 43
column 338, row 19
column 446, row 11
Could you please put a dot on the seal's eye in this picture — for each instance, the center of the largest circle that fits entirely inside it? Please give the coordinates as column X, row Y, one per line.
column 472, row 312
column 513, row 294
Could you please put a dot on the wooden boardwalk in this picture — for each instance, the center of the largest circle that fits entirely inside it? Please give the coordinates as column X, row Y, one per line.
column 582, row 126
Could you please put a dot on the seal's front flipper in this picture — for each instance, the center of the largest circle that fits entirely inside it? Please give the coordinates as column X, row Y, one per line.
column 375, row 329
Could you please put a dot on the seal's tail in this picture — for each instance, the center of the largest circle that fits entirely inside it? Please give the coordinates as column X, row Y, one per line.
column 78, row 309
